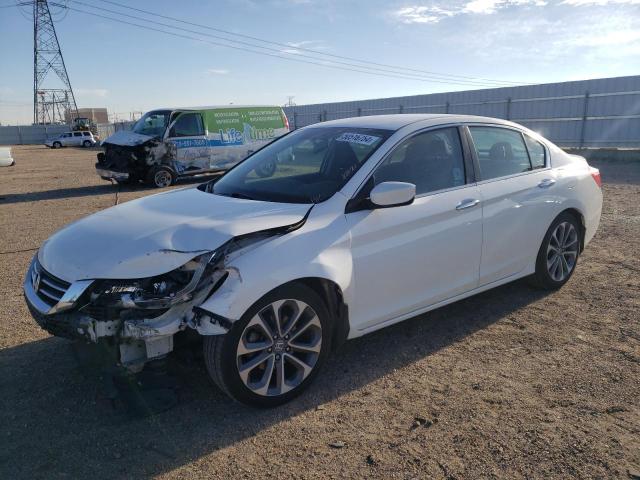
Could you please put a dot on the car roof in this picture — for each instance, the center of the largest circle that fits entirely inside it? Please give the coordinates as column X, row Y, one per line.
column 397, row 121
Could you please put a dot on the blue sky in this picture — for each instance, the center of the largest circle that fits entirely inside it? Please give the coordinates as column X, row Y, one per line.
column 125, row 68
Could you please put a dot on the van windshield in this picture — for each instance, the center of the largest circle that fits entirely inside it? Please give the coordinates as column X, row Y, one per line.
column 307, row 166
column 153, row 123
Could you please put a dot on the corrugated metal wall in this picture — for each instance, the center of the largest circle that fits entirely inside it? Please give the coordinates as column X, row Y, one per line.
column 29, row 134
column 588, row 113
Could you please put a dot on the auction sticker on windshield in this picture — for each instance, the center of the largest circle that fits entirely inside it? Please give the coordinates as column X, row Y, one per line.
column 358, row 138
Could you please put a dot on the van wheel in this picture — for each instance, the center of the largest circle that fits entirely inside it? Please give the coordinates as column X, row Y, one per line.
column 273, row 353
column 86, row 144
column 161, row 177
column 57, row 145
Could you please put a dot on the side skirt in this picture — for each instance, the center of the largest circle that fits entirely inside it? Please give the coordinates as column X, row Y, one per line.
column 470, row 293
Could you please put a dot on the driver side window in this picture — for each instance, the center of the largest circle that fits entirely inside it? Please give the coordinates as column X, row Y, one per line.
column 431, row 160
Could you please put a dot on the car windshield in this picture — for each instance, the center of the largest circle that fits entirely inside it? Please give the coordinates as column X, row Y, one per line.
column 306, row 166
column 153, row 123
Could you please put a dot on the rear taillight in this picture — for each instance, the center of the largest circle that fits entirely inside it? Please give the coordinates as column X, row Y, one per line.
column 595, row 173
column 286, row 121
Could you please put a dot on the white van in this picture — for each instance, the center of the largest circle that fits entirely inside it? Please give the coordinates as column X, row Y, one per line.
column 169, row 143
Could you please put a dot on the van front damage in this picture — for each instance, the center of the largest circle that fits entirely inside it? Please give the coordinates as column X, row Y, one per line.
column 128, row 156
column 126, row 280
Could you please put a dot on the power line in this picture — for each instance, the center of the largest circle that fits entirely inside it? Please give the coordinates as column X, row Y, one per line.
column 320, row 62
column 317, row 52
column 462, row 82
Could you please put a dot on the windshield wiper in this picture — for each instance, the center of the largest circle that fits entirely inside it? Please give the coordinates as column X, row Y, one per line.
column 235, row 195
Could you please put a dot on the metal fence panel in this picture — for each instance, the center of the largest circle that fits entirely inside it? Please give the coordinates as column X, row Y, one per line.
column 29, row 134
column 603, row 112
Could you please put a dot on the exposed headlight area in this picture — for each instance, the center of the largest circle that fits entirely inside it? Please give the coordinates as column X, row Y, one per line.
column 156, row 293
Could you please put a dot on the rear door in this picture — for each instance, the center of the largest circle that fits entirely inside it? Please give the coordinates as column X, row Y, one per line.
column 517, row 196
column 408, row 257
column 77, row 139
column 189, row 138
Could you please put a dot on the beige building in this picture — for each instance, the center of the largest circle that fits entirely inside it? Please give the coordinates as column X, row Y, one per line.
column 96, row 115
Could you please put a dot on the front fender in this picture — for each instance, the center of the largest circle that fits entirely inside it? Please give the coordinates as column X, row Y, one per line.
column 321, row 249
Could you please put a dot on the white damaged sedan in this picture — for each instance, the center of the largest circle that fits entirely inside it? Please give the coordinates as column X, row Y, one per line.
column 326, row 234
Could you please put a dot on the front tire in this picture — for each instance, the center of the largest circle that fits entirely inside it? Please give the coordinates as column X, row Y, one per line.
column 273, row 353
column 86, row 144
column 558, row 254
column 160, row 177
column 56, row 145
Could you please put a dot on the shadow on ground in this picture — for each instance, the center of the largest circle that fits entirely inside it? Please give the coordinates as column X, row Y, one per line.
column 104, row 189
column 55, row 423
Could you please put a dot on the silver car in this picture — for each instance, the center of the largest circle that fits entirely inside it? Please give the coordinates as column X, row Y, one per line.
column 72, row 139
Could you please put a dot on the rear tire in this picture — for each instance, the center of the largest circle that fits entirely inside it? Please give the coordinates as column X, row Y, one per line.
column 160, row 177
column 558, row 255
column 279, row 345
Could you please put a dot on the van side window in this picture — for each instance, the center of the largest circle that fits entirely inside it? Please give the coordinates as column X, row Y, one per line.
column 188, row 125
column 431, row 160
column 536, row 152
column 500, row 151
column 77, row 134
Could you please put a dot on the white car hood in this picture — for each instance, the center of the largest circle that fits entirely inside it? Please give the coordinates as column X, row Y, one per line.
column 127, row 138
column 156, row 234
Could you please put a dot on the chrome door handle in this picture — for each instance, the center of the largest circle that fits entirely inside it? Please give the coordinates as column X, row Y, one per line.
column 546, row 183
column 467, row 203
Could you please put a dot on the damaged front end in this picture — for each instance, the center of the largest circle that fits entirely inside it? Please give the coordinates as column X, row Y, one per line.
column 138, row 318
column 130, row 160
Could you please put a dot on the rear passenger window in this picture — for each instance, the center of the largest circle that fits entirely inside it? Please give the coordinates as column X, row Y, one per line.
column 536, row 152
column 500, row 151
column 77, row 134
column 431, row 161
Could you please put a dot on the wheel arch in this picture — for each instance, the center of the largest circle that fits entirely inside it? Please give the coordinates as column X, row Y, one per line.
column 328, row 290
column 333, row 297
column 581, row 223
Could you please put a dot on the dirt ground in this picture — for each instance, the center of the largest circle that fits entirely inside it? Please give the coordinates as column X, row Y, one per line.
column 511, row 383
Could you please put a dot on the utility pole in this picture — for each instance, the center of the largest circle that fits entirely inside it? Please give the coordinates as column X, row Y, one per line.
column 290, row 102
column 50, row 105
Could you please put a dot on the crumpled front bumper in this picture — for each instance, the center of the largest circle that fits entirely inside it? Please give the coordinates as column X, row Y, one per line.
column 106, row 174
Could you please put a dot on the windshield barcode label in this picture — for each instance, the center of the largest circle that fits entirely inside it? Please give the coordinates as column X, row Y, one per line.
column 357, row 138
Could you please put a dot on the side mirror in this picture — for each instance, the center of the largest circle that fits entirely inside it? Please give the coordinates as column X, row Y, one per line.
column 392, row 194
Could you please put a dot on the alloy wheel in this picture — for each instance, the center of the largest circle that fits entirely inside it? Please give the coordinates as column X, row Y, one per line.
column 562, row 251
column 279, row 347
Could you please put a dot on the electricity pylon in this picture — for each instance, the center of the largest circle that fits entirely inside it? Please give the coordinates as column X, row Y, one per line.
column 50, row 105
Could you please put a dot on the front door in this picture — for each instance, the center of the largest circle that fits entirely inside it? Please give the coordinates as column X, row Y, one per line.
column 408, row 257
column 66, row 139
column 189, row 138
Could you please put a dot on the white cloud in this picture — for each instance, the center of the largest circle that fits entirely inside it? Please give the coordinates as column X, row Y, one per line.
column 295, row 46
column 492, row 6
column 422, row 14
column 92, row 92
column 434, row 13
column 216, row 71
column 578, row 3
